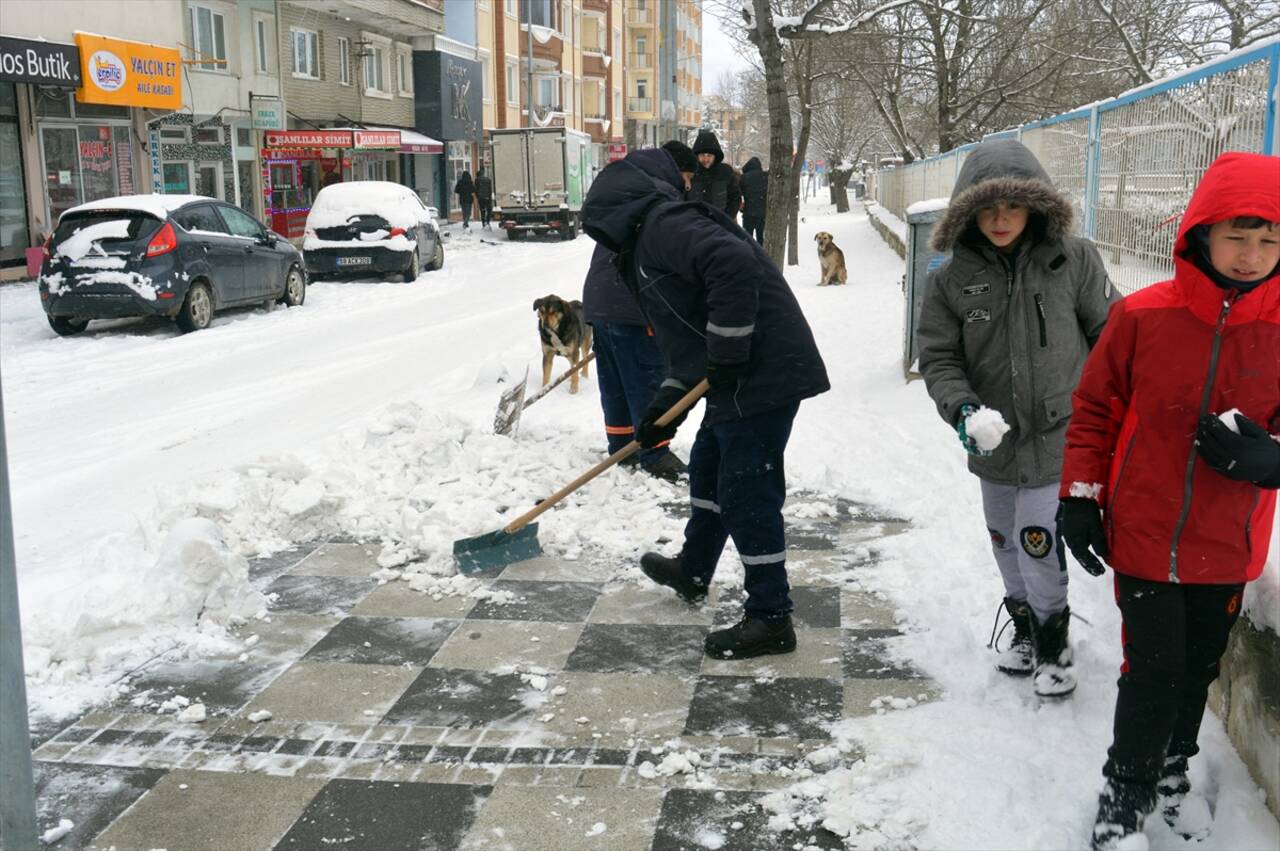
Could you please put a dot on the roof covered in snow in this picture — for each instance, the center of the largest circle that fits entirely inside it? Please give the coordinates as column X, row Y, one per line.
column 156, row 205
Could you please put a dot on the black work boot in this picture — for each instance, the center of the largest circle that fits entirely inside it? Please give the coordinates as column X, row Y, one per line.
column 752, row 637
column 1019, row 659
column 1055, row 674
column 1122, row 809
column 668, row 467
column 669, row 572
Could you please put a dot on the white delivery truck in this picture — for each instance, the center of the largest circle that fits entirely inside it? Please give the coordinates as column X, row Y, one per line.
column 540, row 179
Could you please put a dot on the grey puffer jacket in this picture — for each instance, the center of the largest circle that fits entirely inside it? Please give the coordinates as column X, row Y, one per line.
column 1012, row 331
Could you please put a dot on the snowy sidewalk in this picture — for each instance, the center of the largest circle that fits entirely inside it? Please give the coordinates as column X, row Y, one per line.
column 559, row 705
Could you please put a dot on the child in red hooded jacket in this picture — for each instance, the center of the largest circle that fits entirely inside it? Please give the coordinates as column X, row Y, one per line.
column 1170, row 475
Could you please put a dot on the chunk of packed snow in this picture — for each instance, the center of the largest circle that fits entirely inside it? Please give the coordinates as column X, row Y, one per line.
column 54, row 834
column 338, row 203
column 986, row 427
column 597, row 829
column 929, row 205
column 260, row 716
column 1229, row 419
column 193, row 714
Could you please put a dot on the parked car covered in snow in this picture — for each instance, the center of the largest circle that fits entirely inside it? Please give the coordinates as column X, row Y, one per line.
column 371, row 226
column 182, row 256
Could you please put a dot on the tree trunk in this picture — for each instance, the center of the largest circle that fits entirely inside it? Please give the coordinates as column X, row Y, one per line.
column 765, row 38
column 804, row 90
column 840, row 188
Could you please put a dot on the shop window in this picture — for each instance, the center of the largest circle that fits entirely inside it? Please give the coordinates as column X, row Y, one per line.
column 344, row 61
column 248, row 174
column 177, row 178
column 306, row 54
column 209, row 180
column 244, row 137
column 97, row 162
column 208, row 34
column 53, row 103
column 207, row 135
column 13, row 194
column 175, row 134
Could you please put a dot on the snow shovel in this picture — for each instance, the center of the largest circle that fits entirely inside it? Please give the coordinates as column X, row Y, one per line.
column 518, row 540
column 513, row 403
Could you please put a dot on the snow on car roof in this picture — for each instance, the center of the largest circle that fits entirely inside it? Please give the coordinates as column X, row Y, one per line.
column 398, row 205
column 156, row 205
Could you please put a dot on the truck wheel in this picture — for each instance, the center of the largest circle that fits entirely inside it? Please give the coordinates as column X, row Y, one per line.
column 570, row 232
column 67, row 326
column 515, row 235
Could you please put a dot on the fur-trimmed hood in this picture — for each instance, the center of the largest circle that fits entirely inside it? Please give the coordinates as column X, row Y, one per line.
column 1002, row 170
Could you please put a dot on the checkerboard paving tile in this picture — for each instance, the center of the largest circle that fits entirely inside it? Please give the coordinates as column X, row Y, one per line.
column 569, row 602
column 577, row 819
column 97, row 794
column 385, row 816
column 729, row 821
column 383, row 641
column 515, row 720
column 199, row 810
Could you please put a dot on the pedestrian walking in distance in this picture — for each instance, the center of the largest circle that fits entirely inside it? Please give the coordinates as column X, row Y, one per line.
column 465, row 189
column 484, row 196
column 755, row 198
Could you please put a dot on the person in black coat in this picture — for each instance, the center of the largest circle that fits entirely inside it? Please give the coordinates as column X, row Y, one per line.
column 629, row 367
column 484, row 196
column 755, row 198
column 720, row 309
column 466, row 191
column 685, row 161
column 715, row 181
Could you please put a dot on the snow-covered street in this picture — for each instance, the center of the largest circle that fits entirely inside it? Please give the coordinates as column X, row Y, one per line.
column 366, row 415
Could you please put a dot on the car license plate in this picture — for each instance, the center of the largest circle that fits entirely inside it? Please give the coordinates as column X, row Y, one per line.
column 353, row 261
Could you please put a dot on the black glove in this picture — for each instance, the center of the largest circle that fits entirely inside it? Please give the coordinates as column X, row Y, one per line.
column 722, row 376
column 1080, row 524
column 1250, row 456
column 650, row 434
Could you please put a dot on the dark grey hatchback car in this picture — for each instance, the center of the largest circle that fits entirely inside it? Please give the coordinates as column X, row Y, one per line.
column 181, row 256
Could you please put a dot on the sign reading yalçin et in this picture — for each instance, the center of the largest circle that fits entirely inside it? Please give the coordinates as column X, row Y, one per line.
column 128, row 73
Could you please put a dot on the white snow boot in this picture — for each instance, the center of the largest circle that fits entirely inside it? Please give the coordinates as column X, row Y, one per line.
column 1054, row 674
column 1019, row 659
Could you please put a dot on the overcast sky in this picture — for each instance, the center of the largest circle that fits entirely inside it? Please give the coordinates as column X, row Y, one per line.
column 718, row 52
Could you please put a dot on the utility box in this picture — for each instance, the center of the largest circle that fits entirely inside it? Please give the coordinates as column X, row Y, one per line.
column 922, row 217
column 540, row 178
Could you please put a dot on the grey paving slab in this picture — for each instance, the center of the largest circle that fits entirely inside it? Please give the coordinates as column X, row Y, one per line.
column 466, row 698
column 335, row 559
column 494, row 645
column 383, row 641
column 617, row 705
column 746, row 706
column 816, row 606
column 865, row 610
column 318, row 594
column 222, row 685
column 337, row 692
column 532, row 600
column 729, row 821
column 867, row 656
column 638, row 649
column 201, row 810
column 399, row 600
column 91, row 796
column 626, row 602
column 546, row 569
column 266, row 568
column 872, row 696
column 283, row 636
column 360, row 814
column 576, row 819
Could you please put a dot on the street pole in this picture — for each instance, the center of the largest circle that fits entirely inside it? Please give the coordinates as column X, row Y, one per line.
column 528, row 7
column 17, row 791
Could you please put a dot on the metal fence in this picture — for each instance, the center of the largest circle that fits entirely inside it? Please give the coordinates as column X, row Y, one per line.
column 1130, row 163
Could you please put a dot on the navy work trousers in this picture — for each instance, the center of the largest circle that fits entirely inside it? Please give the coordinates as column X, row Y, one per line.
column 629, row 370
column 737, row 485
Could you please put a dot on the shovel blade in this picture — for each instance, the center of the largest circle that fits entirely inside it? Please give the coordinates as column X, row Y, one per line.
column 496, row 549
column 509, row 407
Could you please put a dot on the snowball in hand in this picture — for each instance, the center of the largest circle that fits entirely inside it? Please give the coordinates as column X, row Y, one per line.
column 1229, row 419
column 986, row 427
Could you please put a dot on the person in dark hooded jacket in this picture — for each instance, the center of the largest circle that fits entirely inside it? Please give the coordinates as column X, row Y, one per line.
column 755, row 198
column 484, row 196
column 466, row 191
column 1007, row 322
column 714, row 182
column 719, row 309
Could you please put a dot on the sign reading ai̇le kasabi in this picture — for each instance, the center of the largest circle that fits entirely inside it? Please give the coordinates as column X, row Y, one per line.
column 45, row 63
column 128, row 73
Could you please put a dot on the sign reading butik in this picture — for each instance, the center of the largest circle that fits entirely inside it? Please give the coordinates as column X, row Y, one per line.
column 45, row 63
column 128, row 73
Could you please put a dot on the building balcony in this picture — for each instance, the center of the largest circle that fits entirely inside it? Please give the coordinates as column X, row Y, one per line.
column 595, row 64
column 640, row 18
column 640, row 105
column 639, row 61
column 548, row 45
column 598, row 128
column 601, row 6
column 405, row 18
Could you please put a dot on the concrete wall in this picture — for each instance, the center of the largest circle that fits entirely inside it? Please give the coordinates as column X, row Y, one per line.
column 1247, row 698
column 155, row 21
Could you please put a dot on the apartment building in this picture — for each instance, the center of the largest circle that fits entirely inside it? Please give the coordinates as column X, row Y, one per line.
column 664, row 70
column 742, row 135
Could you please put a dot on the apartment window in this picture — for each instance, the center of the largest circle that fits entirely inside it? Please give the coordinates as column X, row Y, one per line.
column 548, row 92
column 642, row 45
column 617, row 102
column 511, row 8
column 513, row 84
column 208, row 34
column 344, row 61
column 642, row 88
column 485, row 80
column 306, row 54
column 404, row 72
column 375, row 67
column 263, row 44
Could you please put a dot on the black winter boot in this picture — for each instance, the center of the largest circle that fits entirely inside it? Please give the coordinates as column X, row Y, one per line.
column 1122, row 808
column 1055, row 674
column 752, row 637
column 1019, row 659
column 668, row 467
column 669, row 572
column 1173, row 788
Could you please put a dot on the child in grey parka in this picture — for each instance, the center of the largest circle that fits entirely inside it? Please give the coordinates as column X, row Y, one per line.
column 1006, row 325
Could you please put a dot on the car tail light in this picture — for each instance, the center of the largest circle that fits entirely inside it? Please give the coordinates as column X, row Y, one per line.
column 166, row 294
column 163, row 242
column 397, row 231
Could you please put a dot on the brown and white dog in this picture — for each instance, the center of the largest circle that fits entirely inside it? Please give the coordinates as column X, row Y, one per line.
column 563, row 332
column 832, row 260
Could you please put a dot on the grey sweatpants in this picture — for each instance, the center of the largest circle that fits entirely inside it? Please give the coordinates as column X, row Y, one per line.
column 1028, row 550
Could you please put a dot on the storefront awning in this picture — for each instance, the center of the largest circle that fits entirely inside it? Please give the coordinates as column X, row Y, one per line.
column 413, row 142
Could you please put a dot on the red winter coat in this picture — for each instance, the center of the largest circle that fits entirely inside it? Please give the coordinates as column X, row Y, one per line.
column 1168, row 516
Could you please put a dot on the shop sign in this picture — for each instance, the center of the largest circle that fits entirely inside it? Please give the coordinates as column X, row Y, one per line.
column 157, row 167
column 268, row 114
column 309, row 139
column 366, row 139
column 617, row 152
column 45, row 63
column 128, row 73
column 448, row 95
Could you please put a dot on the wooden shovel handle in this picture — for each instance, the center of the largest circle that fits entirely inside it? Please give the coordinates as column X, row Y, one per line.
column 686, row 402
column 553, row 385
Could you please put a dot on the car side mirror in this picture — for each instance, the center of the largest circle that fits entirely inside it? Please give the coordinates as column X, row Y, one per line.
column 269, row 238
